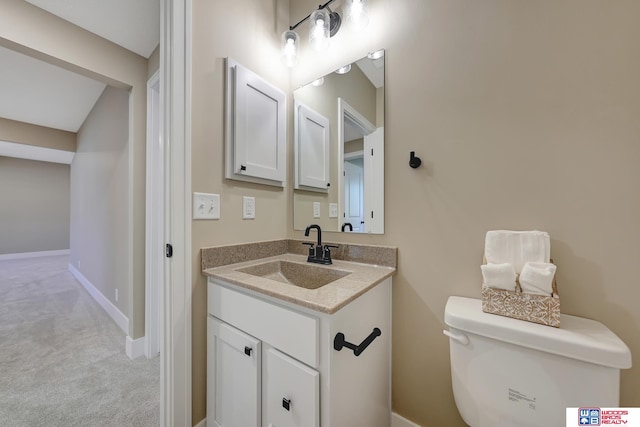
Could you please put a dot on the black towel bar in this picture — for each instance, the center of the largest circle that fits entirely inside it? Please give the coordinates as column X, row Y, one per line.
column 340, row 342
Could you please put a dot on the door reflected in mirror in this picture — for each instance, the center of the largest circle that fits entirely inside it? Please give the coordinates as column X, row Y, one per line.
column 339, row 150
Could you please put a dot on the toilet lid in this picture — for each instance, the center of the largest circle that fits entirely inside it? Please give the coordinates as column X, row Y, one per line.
column 577, row 338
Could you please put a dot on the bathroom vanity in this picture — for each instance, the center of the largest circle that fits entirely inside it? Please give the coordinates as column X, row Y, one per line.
column 291, row 343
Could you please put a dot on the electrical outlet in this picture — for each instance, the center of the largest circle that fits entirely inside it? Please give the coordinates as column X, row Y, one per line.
column 248, row 207
column 316, row 209
column 206, row 206
column 116, row 294
column 333, row 210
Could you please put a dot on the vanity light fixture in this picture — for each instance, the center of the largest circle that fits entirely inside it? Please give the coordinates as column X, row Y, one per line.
column 323, row 24
column 318, row 82
column 344, row 70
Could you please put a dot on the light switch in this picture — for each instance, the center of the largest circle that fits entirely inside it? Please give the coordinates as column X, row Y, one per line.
column 248, row 207
column 316, row 209
column 206, row 206
column 333, row 210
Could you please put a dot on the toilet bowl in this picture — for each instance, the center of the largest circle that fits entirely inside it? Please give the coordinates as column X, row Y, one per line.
column 508, row 372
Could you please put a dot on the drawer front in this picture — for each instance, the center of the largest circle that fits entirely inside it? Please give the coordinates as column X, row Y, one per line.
column 291, row 392
column 292, row 332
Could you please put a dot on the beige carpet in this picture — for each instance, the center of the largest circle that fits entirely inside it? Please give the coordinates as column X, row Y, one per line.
column 62, row 360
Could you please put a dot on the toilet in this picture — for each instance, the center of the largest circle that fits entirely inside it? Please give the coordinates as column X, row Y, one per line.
column 508, row 372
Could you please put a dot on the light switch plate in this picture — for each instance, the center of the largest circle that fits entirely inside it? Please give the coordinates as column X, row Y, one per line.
column 333, row 210
column 248, row 207
column 316, row 209
column 206, row 206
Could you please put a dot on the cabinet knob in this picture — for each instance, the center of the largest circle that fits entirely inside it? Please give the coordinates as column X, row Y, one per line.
column 243, row 168
column 247, row 350
column 286, row 403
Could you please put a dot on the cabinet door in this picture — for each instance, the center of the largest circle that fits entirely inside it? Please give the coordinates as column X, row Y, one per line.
column 233, row 376
column 291, row 392
column 256, row 128
column 312, row 136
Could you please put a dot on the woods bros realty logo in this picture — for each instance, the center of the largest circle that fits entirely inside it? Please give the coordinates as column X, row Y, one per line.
column 603, row 416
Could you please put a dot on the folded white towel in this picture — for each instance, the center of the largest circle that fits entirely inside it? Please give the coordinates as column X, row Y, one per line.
column 517, row 247
column 537, row 278
column 501, row 276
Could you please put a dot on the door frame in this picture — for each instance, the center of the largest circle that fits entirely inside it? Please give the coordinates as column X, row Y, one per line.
column 175, row 101
column 346, row 110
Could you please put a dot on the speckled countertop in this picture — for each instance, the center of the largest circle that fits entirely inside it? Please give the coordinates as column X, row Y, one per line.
column 327, row 299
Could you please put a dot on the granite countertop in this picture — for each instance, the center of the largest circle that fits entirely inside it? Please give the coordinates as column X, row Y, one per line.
column 326, row 299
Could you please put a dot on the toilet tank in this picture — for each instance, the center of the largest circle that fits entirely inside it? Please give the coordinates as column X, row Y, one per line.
column 508, row 372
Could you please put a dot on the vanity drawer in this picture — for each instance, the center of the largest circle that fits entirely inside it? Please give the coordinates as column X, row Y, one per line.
column 287, row 330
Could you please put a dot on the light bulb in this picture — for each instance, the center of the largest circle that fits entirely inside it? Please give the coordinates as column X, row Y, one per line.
column 357, row 14
column 377, row 54
column 289, row 48
column 319, row 30
column 344, row 70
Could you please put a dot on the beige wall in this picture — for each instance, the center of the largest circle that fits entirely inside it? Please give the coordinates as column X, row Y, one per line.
column 525, row 115
column 99, row 202
column 32, row 31
column 35, row 206
column 26, row 133
column 249, row 32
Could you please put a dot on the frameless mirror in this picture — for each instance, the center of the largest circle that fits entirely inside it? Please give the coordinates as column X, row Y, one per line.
column 339, row 149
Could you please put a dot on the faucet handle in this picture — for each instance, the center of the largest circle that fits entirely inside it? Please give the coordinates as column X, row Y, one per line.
column 312, row 250
column 327, row 252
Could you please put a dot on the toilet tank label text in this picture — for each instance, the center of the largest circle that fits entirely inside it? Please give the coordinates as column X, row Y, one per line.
column 519, row 397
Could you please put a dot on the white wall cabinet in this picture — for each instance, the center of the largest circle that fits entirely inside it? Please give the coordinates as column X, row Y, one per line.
column 312, row 140
column 255, row 132
column 302, row 380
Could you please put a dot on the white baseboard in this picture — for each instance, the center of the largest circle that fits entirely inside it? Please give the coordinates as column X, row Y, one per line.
column 398, row 421
column 22, row 255
column 134, row 348
column 121, row 320
column 202, row 423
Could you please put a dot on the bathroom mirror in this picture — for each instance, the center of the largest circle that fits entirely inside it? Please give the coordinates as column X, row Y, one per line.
column 339, row 149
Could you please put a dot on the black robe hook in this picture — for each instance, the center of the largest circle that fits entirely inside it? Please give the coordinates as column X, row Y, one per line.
column 414, row 161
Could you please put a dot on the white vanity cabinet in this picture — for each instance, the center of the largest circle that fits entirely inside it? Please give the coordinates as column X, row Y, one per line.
column 272, row 363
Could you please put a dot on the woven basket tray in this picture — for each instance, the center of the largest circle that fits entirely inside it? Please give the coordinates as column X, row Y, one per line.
column 541, row 309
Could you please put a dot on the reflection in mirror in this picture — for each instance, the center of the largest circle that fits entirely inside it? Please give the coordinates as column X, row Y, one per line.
column 339, row 150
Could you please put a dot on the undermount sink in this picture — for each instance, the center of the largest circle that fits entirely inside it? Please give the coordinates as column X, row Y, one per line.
column 303, row 275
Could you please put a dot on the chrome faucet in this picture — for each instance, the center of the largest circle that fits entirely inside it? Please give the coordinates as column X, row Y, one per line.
column 319, row 254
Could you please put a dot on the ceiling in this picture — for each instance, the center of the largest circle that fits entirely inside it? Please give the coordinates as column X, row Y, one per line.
column 36, row 92
column 132, row 24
